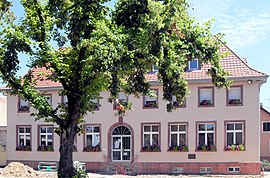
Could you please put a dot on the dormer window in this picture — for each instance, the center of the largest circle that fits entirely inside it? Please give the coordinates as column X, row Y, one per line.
column 154, row 68
column 193, row 65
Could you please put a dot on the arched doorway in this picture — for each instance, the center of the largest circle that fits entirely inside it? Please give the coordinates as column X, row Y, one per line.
column 121, row 144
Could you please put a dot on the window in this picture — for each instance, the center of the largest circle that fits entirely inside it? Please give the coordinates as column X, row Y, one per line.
column 178, row 105
column 234, row 136
column 178, row 137
column 23, row 105
column 235, row 96
column 122, row 99
column 92, row 138
column 24, row 138
column 205, row 170
column 234, row 169
column 95, row 104
column 151, row 102
column 193, row 65
column 206, row 136
column 154, row 68
column 48, row 99
column 45, row 138
column 266, row 126
column 206, row 96
column 151, row 137
column 65, row 100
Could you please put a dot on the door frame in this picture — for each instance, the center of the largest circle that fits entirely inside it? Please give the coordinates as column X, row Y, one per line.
column 110, row 141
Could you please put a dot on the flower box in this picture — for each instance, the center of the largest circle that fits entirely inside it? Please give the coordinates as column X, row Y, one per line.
column 23, row 148
column 150, row 104
column 234, row 102
column 152, row 148
column 235, row 147
column 207, row 148
column 92, row 148
column 205, row 103
column 45, row 148
column 181, row 148
column 24, row 108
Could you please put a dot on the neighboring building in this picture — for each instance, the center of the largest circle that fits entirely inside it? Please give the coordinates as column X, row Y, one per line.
column 3, row 130
column 265, row 134
column 215, row 131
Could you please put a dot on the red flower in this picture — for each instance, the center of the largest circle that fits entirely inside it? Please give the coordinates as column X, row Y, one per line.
column 119, row 107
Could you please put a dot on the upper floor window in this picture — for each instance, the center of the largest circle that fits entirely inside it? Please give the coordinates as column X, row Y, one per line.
column 23, row 105
column 151, row 137
column 122, row 99
column 65, row 100
column 92, row 138
column 45, row 138
column 235, row 136
column 206, row 96
column 95, row 103
column 266, row 126
column 193, row 65
column 151, row 102
column 178, row 137
column 206, row 136
column 154, row 68
column 235, row 96
column 48, row 99
column 24, row 138
column 177, row 104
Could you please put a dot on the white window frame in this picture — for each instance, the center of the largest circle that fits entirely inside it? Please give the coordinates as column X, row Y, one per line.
column 177, row 133
column 206, row 132
column 234, row 169
column 24, row 134
column 94, row 135
column 46, row 135
column 189, row 66
column 262, row 126
column 235, row 131
column 151, row 133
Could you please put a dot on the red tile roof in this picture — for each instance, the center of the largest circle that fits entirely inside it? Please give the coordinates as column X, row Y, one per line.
column 236, row 67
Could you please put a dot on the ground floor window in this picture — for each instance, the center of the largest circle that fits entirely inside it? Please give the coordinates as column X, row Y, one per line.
column 235, row 132
column 178, row 137
column 45, row 138
column 24, row 138
column 206, row 136
column 92, row 138
column 151, row 137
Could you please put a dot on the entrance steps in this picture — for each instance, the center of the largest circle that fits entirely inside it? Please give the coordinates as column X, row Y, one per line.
column 121, row 168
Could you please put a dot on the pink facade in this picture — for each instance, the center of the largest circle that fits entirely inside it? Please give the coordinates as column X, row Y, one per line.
column 265, row 134
column 215, row 131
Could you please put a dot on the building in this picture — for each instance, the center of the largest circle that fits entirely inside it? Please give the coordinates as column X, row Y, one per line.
column 3, row 130
column 214, row 131
column 265, row 134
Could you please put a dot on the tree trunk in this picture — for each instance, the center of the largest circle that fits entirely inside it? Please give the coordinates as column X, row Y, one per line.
column 65, row 169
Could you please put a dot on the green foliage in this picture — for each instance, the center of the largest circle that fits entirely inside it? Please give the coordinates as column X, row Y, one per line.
column 97, row 51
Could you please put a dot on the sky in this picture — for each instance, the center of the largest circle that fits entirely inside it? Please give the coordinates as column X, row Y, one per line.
column 245, row 23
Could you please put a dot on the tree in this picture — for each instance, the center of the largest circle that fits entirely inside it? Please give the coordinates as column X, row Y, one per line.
column 89, row 49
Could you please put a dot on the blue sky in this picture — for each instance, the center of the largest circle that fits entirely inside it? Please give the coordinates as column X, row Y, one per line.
column 245, row 23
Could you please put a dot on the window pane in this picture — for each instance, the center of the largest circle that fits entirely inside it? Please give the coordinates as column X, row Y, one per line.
column 229, row 138
column 96, row 129
column 28, row 142
column 182, row 128
column 235, row 93
column 43, row 129
column 50, row 130
column 155, row 139
column 210, row 139
column 21, row 130
column 96, row 140
column 201, row 127
column 89, row 129
column 147, row 129
column 239, row 138
column 230, row 126
column 88, row 140
column 43, row 140
column 201, row 138
column 174, row 127
column 122, row 97
column 146, row 140
column 210, row 127
column 21, row 140
column 116, row 155
column 182, row 139
column 173, row 139
column 155, row 128
column 266, row 126
column 193, row 64
column 116, row 143
column 126, row 142
column 27, row 129
column 206, row 94
column 238, row 126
